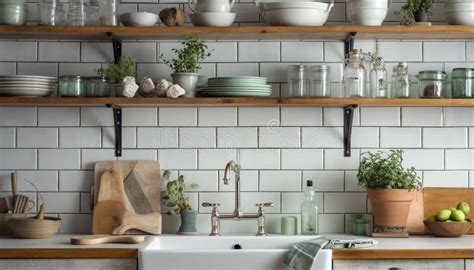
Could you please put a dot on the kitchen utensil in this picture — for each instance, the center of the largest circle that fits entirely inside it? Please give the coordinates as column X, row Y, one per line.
column 211, row 6
column 297, row 16
column 20, row 204
column 216, row 19
column 4, row 229
column 41, row 212
column 149, row 223
column 4, row 205
column 14, row 184
column 138, row 19
column 32, row 228
column 103, row 239
column 112, row 189
column 448, row 229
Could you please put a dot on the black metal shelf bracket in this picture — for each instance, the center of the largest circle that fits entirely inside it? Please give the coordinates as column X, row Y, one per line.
column 349, row 43
column 117, row 46
column 348, row 120
column 117, row 111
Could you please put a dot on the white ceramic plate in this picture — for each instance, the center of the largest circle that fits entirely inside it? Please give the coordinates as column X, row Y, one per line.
column 27, row 77
column 24, row 92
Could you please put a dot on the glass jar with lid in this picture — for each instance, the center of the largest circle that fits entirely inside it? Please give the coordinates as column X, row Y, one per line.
column 108, row 12
column 355, row 75
column 401, row 84
column 72, row 86
column 320, row 81
column 432, row 83
column 462, row 83
column 299, row 82
column 378, row 79
column 98, row 87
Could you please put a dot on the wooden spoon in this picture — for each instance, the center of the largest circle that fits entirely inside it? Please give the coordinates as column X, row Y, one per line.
column 102, row 239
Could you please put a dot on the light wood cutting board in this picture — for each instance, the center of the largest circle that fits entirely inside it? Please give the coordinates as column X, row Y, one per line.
column 431, row 200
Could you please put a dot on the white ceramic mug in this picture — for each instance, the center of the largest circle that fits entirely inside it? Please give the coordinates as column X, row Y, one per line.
column 211, row 5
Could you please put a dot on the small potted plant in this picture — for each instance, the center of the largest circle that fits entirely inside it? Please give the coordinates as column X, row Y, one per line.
column 179, row 203
column 390, row 188
column 417, row 10
column 126, row 67
column 186, row 66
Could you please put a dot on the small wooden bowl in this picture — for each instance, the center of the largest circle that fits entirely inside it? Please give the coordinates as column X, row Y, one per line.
column 448, row 229
column 4, row 229
column 31, row 228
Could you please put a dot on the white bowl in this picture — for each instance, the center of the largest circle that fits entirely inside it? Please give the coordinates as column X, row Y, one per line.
column 306, row 4
column 367, row 16
column 296, row 17
column 460, row 17
column 460, row 6
column 350, row 4
column 218, row 19
column 138, row 19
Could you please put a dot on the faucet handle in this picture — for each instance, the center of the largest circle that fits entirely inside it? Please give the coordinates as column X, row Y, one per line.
column 267, row 204
column 208, row 204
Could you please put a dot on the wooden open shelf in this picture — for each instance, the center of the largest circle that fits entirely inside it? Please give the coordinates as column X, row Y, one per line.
column 338, row 32
column 130, row 102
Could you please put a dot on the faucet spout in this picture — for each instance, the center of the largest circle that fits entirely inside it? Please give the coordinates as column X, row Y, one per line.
column 235, row 167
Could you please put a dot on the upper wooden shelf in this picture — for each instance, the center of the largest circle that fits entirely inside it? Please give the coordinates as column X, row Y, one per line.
column 338, row 32
column 243, row 101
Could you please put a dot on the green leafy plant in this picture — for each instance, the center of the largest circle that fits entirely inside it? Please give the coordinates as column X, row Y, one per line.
column 188, row 58
column 412, row 6
column 116, row 72
column 380, row 170
column 174, row 195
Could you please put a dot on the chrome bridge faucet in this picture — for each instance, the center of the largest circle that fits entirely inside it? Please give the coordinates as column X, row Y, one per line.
column 237, row 214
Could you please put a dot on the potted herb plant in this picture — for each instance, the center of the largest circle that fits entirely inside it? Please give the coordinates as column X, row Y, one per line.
column 390, row 188
column 417, row 10
column 186, row 65
column 179, row 203
column 125, row 67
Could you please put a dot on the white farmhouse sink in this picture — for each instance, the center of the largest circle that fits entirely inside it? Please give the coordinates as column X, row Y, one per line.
column 220, row 253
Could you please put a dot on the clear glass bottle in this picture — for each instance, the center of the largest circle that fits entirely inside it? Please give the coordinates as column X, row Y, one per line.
column 76, row 15
column 309, row 211
column 379, row 79
column 401, row 84
column 355, row 75
column 108, row 10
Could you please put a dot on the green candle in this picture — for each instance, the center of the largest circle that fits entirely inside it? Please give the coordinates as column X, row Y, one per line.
column 289, row 225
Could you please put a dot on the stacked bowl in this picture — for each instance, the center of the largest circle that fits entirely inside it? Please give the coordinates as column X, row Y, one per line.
column 368, row 12
column 296, row 13
column 237, row 86
column 13, row 12
column 460, row 12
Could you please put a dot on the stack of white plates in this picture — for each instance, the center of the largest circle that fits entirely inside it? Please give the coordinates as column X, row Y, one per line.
column 27, row 85
column 239, row 86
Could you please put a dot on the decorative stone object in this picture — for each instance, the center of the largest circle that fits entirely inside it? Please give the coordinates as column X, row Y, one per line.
column 130, row 87
column 173, row 17
column 147, row 87
column 175, row 91
column 162, row 88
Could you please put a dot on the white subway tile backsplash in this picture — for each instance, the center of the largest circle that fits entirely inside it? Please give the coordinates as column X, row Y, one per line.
column 76, row 223
column 279, row 137
column 59, row 51
column 250, row 199
column 237, row 69
column 259, row 116
column 275, row 72
column 444, row 51
column 345, row 202
column 17, row 159
column 134, row 154
column 177, row 117
column 424, row 159
column 80, row 137
column 445, row 179
column 334, row 160
column 260, row 159
column 40, row 69
column 333, row 52
column 180, row 159
column 330, row 137
column 459, row 117
column 445, row 138
column 17, row 116
column 365, row 137
column 248, row 181
column 259, row 51
column 225, row 199
column 90, row 156
column 7, row 136
column 62, row 202
column 351, row 183
column 325, row 180
column 8, row 68
column 280, row 180
column 96, row 116
column 75, row 180
column 301, row 116
column 301, row 51
column 37, row 137
column 140, row 117
column 335, row 117
column 58, row 116
column 241, row 137
column 400, row 137
column 412, row 51
column 222, row 52
column 217, row 116
column 426, row 116
column 43, row 180
column 301, row 159
column 215, row 159
column 205, row 180
column 18, row 51
column 197, row 138
column 459, row 159
column 142, row 52
column 57, row 159
column 81, row 69
column 96, row 52
column 471, row 137
column 129, row 138
column 470, row 51
column 157, row 137
column 380, row 116
column 291, row 202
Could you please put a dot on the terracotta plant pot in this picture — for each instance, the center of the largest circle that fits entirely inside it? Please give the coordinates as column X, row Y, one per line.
column 390, row 206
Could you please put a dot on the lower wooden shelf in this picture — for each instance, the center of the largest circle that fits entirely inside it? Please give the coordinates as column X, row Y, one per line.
column 241, row 101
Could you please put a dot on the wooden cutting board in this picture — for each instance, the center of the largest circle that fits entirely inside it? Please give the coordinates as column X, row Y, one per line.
column 141, row 183
column 430, row 200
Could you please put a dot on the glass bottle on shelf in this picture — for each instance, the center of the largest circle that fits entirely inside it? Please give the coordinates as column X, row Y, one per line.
column 108, row 12
column 401, row 84
column 309, row 211
column 354, row 78
column 378, row 79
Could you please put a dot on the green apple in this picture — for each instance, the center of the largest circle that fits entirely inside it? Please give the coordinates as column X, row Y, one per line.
column 443, row 215
column 431, row 219
column 458, row 215
column 452, row 209
column 464, row 206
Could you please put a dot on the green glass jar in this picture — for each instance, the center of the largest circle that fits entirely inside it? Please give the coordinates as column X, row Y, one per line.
column 360, row 225
column 463, row 83
column 98, row 87
column 432, row 83
column 72, row 86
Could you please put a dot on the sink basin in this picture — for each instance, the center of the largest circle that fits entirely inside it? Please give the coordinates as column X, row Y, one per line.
column 224, row 252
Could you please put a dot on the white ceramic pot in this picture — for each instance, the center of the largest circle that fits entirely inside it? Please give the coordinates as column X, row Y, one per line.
column 188, row 81
column 218, row 19
column 367, row 17
column 351, row 4
column 460, row 17
column 211, row 5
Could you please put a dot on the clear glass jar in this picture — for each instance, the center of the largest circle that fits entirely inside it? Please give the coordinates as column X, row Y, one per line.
column 462, row 83
column 355, row 75
column 108, row 12
column 320, row 81
column 299, row 81
column 98, row 87
column 52, row 12
column 432, row 83
column 77, row 12
column 402, row 81
column 379, row 79
column 92, row 13
column 72, row 86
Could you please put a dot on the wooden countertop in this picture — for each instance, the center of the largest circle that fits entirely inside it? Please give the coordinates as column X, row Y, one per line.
column 415, row 247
